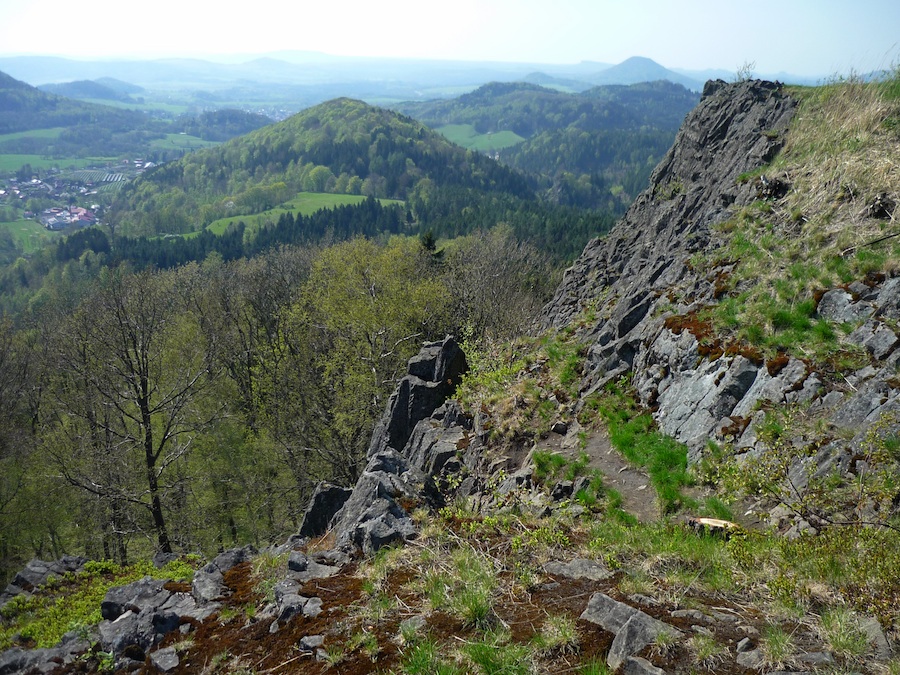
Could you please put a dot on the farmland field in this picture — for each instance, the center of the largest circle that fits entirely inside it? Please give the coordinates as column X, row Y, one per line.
column 466, row 136
column 16, row 162
column 34, row 133
column 305, row 203
column 180, row 142
column 28, row 235
column 176, row 108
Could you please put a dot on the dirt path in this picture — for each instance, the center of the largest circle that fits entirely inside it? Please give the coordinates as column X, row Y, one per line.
column 638, row 495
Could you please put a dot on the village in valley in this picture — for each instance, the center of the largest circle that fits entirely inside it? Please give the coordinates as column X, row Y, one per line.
column 68, row 199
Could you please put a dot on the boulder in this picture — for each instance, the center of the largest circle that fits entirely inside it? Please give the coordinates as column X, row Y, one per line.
column 209, row 580
column 326, row 501
column 839, row 306
column 165, row 660
column 37, row 572
column 579, row 568
column 146, row 593
column 433, row 376
column 637, row 666
column 633, row 629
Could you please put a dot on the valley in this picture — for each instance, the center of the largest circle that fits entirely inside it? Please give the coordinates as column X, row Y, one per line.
column 538, row 378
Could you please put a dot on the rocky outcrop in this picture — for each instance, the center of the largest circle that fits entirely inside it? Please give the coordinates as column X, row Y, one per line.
column 640, row 275
column 734, row 130
column 433, row 375
column 642, row 267
column 326, row 501
column 403, row 459
column 37, row 572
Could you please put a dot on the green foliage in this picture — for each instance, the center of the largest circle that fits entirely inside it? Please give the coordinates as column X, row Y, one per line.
column 323, row 148
column 74, row 601
column 594, row 667
column 716, row 508
column 611, row 136
column 472, row 598
column 424, row 659
column 777, row 646
column 780, row 253
column 842, row 633
column 826, row 497
column 268, row 570
column 495, row 655
column 366, row 642
column 547, row 464
column 633, row 433
column 558, row 635
column 708, row 652
column 545, row 536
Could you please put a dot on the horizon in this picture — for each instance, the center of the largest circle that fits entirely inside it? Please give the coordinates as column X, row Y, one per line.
column 809, row 38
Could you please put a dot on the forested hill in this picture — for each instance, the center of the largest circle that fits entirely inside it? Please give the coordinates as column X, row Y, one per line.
column 529, row 109
column 23, row 107
column 85, row 89
column 342, row 146
column 594, row 149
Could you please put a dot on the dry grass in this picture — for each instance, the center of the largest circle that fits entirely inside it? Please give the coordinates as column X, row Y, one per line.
column 841, row 152
column 841, row 155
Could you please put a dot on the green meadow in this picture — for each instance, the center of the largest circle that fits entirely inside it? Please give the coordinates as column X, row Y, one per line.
column 28, row 235
column 305, row 203
column 180, row 142
column 466, row 136
column 34, row 133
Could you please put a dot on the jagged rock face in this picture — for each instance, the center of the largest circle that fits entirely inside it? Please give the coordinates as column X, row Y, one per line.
column 433, row 375
column 402, row 459
column 640, row 275
column 735, row 129
column 643, row 265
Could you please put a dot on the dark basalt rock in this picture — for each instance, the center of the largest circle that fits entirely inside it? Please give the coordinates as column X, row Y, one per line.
column 37, row 572
column 633, row 629
column 433, row 376
column 397, row 477
column 326, row 501
column 209, row 581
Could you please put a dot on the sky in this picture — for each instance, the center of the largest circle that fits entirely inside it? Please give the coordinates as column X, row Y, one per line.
column 801, row 37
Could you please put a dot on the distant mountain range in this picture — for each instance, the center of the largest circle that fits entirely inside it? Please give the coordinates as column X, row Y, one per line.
column 397, row 79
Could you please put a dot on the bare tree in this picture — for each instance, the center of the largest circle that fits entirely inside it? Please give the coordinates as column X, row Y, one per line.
column 132, row 368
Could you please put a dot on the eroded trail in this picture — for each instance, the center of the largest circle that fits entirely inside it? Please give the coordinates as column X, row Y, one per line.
column 633, row 484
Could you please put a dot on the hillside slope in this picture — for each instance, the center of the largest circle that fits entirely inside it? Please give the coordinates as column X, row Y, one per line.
column 23, row 107
column 342, row 146
column 595, row 148
column 521, row 556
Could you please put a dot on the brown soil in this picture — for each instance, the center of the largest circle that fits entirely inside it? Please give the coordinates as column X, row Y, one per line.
column 633, row 484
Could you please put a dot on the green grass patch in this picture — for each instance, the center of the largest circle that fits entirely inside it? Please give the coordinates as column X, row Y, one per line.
column 305, row 204
column 176, row 108
column 466, row 136
column 29, row 236
column 73, row 602
column 180, row 142
column 633, row 433
column 782, row 252
column 33, row 133
column 496, row 655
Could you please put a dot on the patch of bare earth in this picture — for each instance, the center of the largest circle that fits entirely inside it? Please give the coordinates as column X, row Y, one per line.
column 633, row 484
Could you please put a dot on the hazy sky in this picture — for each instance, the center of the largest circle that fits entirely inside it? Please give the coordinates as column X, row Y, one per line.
column 803, row 37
